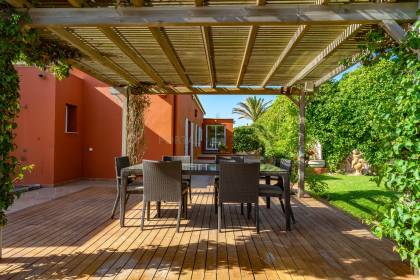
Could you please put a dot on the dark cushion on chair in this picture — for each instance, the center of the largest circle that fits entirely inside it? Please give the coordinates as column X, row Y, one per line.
column 270, row 190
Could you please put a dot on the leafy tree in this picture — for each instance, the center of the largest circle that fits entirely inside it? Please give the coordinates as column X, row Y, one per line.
column 342, row 114
column 245, row 140
column 252, row 108
column 376, row 109
column 278, row 129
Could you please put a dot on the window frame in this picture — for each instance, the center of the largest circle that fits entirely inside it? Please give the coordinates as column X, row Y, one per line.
column 207, row 136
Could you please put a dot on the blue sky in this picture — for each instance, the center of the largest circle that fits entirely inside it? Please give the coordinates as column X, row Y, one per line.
column 221, row 106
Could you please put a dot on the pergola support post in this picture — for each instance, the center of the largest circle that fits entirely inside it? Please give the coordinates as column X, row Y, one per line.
column 301, row 147
column 124, row 100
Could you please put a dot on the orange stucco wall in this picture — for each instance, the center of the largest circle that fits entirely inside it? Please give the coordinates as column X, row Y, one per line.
column 102, row 128
column 186, row 108
column 158, row 130
column 68, row 146
column 89, row 153
column 228, row 123
column 35, row 130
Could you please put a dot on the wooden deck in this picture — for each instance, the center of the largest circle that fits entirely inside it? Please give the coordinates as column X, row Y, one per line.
column 73, row 237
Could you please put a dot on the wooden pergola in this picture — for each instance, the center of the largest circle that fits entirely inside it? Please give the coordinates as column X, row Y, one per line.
column 217, row 46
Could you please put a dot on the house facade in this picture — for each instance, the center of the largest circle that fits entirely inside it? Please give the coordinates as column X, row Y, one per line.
column 72, row 129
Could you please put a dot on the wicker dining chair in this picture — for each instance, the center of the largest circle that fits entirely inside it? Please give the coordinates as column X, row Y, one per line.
column 268, row 191
column 185, row 178
column 238, row 183
column 133, row 187
column 163, row 182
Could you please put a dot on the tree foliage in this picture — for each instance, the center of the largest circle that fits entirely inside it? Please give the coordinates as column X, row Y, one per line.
column 19, row 43
column 343, row 115
column 278, row 129
column 252, row 108
column 377, row 110
column 245, row 140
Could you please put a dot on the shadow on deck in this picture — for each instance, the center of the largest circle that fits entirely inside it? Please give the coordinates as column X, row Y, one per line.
column 73, row 237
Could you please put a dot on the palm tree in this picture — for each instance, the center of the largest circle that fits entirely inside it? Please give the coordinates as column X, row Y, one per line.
column 252, row 108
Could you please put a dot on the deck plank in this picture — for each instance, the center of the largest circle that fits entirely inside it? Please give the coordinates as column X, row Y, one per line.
column 72, row 237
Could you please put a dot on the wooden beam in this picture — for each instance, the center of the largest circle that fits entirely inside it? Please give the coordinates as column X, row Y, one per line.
column 76, row 3
column 321, row 2
column 92, row 53
column 208, row 48
column 19, row 3
column 238, row 15
column 301, row 146
column 170, row 53
column 89, row 70
column 137, row 3
column 252, row 35
column 394, row 30
column 336, row 71
column 293, row 100
column 330, row 75
column 133, row 55
column 233, row 91
column 292, row 43
column 350, row 30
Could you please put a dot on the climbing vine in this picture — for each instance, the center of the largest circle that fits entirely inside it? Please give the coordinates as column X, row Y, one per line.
column 138, row 102
column 18, row 43
column 376, row 109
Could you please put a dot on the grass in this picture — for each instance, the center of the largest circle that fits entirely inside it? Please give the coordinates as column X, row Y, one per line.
column 356, row 195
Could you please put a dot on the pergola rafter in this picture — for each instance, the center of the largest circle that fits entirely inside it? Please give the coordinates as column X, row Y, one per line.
column 134, row 56
column 252, row 35
column 92, row 53
column 162, row 40
column 349, row 31
column 292, row 43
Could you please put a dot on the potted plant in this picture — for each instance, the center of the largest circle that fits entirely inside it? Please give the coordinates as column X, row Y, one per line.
column 222, row 148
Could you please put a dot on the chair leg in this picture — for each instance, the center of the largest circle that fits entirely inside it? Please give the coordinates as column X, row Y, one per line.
column 242, row 208
column 257, row 217
column 178, row 219
column 143, row 213
column 267, row 202
column 284, row 211
column 127, row 196
column 186, row 206
column 158, row 205
column 219, row 217
column 282, row 204
column 216, row 195
column 117, row 200
column 148, row 210
column 249, row 208
column 190, row 193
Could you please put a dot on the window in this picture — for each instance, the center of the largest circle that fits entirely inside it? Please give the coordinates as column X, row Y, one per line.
column 215, row 136
column 71, row 119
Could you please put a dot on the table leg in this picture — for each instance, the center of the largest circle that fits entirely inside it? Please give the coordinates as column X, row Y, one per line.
column 122, row 190
column 286, row 181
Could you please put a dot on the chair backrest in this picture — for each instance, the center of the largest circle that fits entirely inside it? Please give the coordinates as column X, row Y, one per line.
column 284, row 163
column 162, row 180
column 252, row 158
column 120, row 163
column 239, row 182
column 183, row 159
column 221, row 158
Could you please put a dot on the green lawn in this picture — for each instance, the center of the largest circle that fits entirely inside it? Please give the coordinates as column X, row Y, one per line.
column 356, row 195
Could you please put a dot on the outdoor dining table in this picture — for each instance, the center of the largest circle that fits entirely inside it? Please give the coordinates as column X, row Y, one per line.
column 209, row 169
